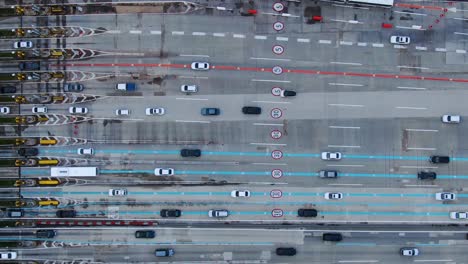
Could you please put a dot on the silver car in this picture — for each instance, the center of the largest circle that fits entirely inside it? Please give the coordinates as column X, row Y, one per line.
column 445, row 196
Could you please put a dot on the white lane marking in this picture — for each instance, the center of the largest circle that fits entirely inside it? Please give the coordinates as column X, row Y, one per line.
column 346, row 84
column 344, row 127
column 358, row 261
column 420, row 48
column 192, row 77
column 345, row 184
column 461, row 33
column 340, row 146
column 346, row 105
column 400, row 47
column 344, row 165
column 415, row 27
column 135, row 31
column 441, row 49
column 194, row 55
column 418, row 167
column 192, row 99
column 219, row 34
column 271, row 102
column 269, row 144
column 178, row 33
column 303, row 40
column 415, row 185
column 272, row 59
column 346, row 43
column 260, row 37
column 421, row 148
column 261, row 80
column 416, row 14
column 459, row 18
column 421, row 130
column 410, row 107
column 353, row 7
column 433, row 260
column 266, row 124
column 411, row 88
column 324, row 41
column 411, row 67
column 282, row 38
column 460, row 51
column 113, row 31
column 346, row 63
column 192, row 121
column 155, row 32
column 198, row 33
column 354, row 22
column 362, row 44
column 238, row 36
column 339, row 20
column 267, row 163
column 377, row 45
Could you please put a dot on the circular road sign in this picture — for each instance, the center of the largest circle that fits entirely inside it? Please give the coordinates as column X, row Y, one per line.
column 278, row 49
column 276, row 91
column 276, row 193
column 278, row 26
column 277, row 70
column 278, row 7
column 276, row 134
column 277, row 213
column 276, row 113
column 276, row 154
column 276, row 173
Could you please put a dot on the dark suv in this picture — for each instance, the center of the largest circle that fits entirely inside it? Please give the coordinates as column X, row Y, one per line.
column 29, row 66
column 427, row 175
column 170, row 213
column 28, row 152
column 307, row 212
column 335, row 237
column 145, row 234
column 66, row 213
column 73, row 87
column 251, row 110
column 7, row 89
column 286, row 251
column 439, row 159
column 46, row 233
column 190, row 152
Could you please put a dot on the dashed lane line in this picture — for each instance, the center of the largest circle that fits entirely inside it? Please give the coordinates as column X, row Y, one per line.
column 238, row 36
column 180, row 33
column 303, row 40
column 198, row 33
column 260, row 37
column 219, row 34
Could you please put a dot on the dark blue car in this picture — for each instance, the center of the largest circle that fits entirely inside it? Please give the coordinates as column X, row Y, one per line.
column 211, row 111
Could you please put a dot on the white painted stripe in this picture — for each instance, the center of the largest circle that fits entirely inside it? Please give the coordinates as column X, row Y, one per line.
column 113, row 31
column 399, row 47
column 339, row 20
column 260, row 80
column 415, row 27
column 459, row 18
column 416, row 14
column 340, row 146
column 421, row 48
column 192, row 121
column 344, row 127
column 346, row 105
column 377, row 45
column 418, row 167
column 282, row 38
column 422, row 130
column 419, row 186
column 410, row 107
column 354, row 22
column 303, row 40
column 269, row 164
column 155, row 32
column 271, row 102
column 260, row 37
column 411, row 67
column 192, row 77
column 421, row 148
column 358, row 261
column 268, row 144
column 461, row 33
column 199, row 33
column 411, row 88
column 346, row 84
column 460, row 51
column 191, row 99
column 353, row 7
column 347, row 43
column 265, row 124
column 219, row 34
column 324, row 41
column 441, row 49
column 345, row 165
column 345, row 184
column 178, row 33
column 362, row 44
column 433, row 260
column 238, row 36
column 346, row 63
column 194, row 55
column 135, row 31
column 272, row 59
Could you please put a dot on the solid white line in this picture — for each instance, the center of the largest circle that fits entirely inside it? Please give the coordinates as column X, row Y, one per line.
column 422, row 130
column 416, row 185
column 409, row 107
column 345, row 184
column 345, row 84
column 418, row 167
column 459, row 18
column 461, row 33
column 265, row 124
column 303, row 40
column 377, row 45
column 323, row 41
column 347, row 105
column 346, row 63
column 344, row 127
column 191, row 99
column 346, row 165
column 198, row 33
column 358, row 261
column 260, row 37
column 194, row 55
column 416, row 14
column 238, row 36
column 339, row 146
column 135, row 31
column 155, row 32
column 433, row 260
column 441, row 49
column 269, row 144
column 272, row 59
column 460, row 51
column 260, row 80
column 346, row 43
column 192, row 121
column 353, row 7
column 282, row 38
column 192, row 77
column 271, row 102
column 219, row 34
column 421, row 48
column 421, row 148
column 411, row 88
column 410, row 67
column 266, row 163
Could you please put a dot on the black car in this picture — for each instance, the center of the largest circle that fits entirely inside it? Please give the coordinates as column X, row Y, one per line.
column 46, row 233
column 170, row 213
column 307, row 212
column 287, row 93
column 190, row 152
column 145, row 234
column 73, row 87
column 7, row 89
column 28, row 152
column 66, row 213
column 335, row 237
column 251, row 110
column 427, row 175
column 439, row 159
column 211, row 111
column 29, row 66
column 286, row 251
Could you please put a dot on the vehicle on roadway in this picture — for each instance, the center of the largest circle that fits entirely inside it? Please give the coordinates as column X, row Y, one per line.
column 163, row 172
column 286, row 251
column 129, row 87
column 85, row 151
column 23, row 44
column 409, row 251
column 73, row 87
column 427, row 175
column 8, row 255
column 381, row 3
column 445, row 196
column 331, row 155
column 15, row 213
column 335, row 237
column 328, row 174
column 439, row 159
column 200, row 66
column 451, row 119
column 210, row 111
column 190, row 153
column 304, row 212
column 251, row 110
column 46, row 233
column 28, row 152
column 39, row 109
column 170, row 213
column 218, row 213
column 29, row 65
column 65, row 213
column 237, row 193
column 77, row 110
column 4, row 110
column 164, row 252
column 333, row 196
column 186, row 88
column 459, row 215
column 118, row 192
column 401, row 40
column 287, row 93
column 8, row 89
column 155, row 111
column 122, row 112
column 73, row 171
column 145, row 234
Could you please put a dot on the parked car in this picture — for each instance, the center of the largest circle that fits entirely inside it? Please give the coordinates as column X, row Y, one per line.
column 218, row 213
column 286, row 251
column 409, row 252
column 39, row 109
column 331, row 155
column 65, row 213
column 445, row 196
column 439, row 159
column 4, row 110
column 7, row 89
column 200, row 66
column 401, row 40
column 287, row 93
column 85, row 151
column 46, row 233
column 145, row 234
column 251, row 110
column 190, row 153
column 451, row 119
column 155, row 111
column 122, row 112
column 303, row 212
column 237, row 193
column 170, row 213
column 77, row 110
column 118, row 192
column 29, row 65
column 210, row 111
column 163, row 172
column 25, row 152
column 164, row 252
column 23, row 44
column 8, row 255
column 459, row 215
column 186, row 88
column 427, row 175
column 328, row 174
column 73, row 87
column 333, row 196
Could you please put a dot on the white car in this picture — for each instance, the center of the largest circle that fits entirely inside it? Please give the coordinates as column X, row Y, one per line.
column 85, row 151
column 23, row 45
column 333, row 196
column 459, row 215
column 331, row 155
column 121, row 112
column 77, row 110
column 445, row 196
column 155, row 111
column 8, row 255
column 237, row 193
column 163, row 172
column 4, row 110
column 39, row 109
column 188, row 88
column 409, row 252
column 117, row 192
column 451, row 119
column 201, row 66
column 401, row 40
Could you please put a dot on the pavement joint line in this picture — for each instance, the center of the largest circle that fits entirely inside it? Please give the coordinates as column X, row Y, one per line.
column 346, row 84
column 238, row 36
column 266, row 124
column 198, row 33
column 344, row 127
column 263, row 80
column 460, row 51
column 346, row 105
column 411, row 67
column 272, row 59
column 411, row 88
column 219, row 34
column 178, row 32
column 282, row 38
column 441, row 49
column 421, row 130
column 260, row 37
column 324, row 41
column 303, row 40
column 342, row 146
column 411, row 107
column 346, row 63
column 135, row 31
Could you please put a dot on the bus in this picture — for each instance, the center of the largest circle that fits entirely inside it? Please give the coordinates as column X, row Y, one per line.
column 382, row 3
column 74, row 171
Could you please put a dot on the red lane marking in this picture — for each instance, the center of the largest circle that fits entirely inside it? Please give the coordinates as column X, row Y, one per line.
column 460, row 80
column 359, row 74
column 419, row 6
column 409, row 77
